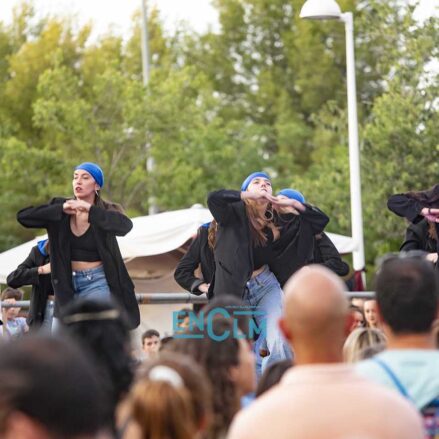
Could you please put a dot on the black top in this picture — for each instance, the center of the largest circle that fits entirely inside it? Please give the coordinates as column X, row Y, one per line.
column 198, row 254
column 27, row 274
column 263, row 255
column 417, row 237
column 83, row 247
column 105, row 226
column 410, row 208
column 295, row 247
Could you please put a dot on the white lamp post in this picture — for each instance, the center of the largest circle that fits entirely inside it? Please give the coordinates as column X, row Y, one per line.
column 329, row 10
column 146, row 73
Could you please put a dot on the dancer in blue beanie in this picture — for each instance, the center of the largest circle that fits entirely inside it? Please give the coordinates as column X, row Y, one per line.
column 85, row 258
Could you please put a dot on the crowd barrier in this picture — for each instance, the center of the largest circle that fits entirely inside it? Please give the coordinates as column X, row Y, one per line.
column 178, row 298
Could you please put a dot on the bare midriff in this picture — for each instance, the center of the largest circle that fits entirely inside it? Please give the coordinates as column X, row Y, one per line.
column 82, row 265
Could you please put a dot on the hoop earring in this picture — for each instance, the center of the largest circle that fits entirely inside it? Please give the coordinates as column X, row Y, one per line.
column 269, row 214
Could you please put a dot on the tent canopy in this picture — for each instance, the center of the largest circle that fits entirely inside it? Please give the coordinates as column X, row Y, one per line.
column 151, row 235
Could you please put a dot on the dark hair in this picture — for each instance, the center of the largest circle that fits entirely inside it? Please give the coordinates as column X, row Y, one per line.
column 12, row 293
column 211, row 234
column 150, row 333
column 258, row 222
column 272, row 375
column 174, row 403
column 51, row 381
column 407, row 293
column 107, row 205
column 428, row 198
column 164, row 341
column 216, row 358
column 101, row 331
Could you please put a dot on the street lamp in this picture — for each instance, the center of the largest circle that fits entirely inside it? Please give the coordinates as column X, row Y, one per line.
column 150, row 165
column 330, row 10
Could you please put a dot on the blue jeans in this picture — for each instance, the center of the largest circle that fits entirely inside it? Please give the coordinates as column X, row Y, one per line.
column 46, row 326
column 265, row 295
column 91, row 284
column 87, row 284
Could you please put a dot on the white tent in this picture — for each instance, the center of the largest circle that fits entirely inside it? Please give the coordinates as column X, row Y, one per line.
column 151, row 235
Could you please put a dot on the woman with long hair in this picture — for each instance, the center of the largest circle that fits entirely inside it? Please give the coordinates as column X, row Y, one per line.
column 248, row 242
column 84, row 255
column 171, row 399
column 229, row 364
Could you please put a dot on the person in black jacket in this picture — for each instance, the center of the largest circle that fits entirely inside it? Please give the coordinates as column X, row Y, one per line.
column 84, row 255
column 324, row 251
column 35, row 271
column 200, row 253
column 422, row 210
column 247, row 244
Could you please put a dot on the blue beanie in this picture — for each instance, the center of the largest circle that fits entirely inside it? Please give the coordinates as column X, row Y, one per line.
column 251, row 177
column 94, row 170
column 293, row 194
column 42, row 247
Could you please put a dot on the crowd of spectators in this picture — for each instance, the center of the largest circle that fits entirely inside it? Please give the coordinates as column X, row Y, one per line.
column 376, row 357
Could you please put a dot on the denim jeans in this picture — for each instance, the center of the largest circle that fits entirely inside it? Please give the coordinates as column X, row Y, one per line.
column 91, row 284
column 265, row 295
column 87, row 284
column 46, row 326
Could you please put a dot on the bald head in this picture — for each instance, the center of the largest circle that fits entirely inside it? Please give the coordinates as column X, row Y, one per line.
column 315, row 309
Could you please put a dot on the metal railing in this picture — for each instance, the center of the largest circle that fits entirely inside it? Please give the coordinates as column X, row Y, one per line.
column 180, row 298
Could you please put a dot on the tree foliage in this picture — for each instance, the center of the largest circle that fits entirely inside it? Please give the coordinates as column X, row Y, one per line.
column 266, row 91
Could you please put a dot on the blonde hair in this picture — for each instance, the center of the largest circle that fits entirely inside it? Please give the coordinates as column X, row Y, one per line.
column 359, row 340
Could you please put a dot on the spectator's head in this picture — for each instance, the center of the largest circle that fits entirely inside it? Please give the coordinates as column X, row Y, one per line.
column 357, row 318
column 151, row 343
column 171, row 399
column 314, row 320
column 360, row 339
column 358, row 302
column 407, row 294
column 371, row 313
column 272, row 375
column 48, row 389
column 229, row 364
column 100, row 330
column 10, row 296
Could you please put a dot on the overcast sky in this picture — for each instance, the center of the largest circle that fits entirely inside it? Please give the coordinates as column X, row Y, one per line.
column 117, row 13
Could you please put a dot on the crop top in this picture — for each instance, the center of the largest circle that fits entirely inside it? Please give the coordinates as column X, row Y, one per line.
column 83, row 248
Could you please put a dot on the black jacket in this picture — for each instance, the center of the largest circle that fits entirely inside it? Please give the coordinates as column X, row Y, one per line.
column 198, row 254
column 325, row 253
column 27, row 274
column 234, row 251
column 105, row 226
column 295, row 247
column 405, row 206
column 417, row 238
